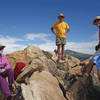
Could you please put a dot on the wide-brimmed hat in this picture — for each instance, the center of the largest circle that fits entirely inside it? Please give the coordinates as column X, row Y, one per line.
column 97, row 18
column 2, row 47
column 61, row 15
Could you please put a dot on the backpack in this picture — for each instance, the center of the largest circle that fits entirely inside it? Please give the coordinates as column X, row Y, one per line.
column 17, row 70
column 97, row 47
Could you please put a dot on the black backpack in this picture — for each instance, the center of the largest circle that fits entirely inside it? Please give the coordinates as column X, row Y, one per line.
column 97, row 47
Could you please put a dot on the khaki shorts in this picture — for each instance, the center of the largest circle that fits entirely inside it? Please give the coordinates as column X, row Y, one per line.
column 60, row 41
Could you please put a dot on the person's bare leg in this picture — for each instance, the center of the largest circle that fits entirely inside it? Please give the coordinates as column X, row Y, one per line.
column 62, row 52
column 58, row 50
column 89, row 68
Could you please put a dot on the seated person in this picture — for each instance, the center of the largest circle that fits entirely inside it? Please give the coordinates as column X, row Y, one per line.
column 5, row 71
column 95, row 60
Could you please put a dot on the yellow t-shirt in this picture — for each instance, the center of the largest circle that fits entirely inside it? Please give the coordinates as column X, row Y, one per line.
column 61, row 28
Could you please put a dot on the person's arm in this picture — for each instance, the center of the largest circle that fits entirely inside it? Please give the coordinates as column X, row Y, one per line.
column 7, row 65
column 52, row 29
column 68, row 29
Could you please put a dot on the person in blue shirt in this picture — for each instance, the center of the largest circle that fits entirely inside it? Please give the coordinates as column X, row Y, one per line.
column 94, row 61
column 96, row 57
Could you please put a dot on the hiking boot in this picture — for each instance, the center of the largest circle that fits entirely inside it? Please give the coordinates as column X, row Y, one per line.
column 58, row 59
column 62, row 58
column 13, row 89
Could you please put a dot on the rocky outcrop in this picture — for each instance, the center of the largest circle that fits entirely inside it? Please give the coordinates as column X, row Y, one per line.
column 44, row 78
column 79, row 90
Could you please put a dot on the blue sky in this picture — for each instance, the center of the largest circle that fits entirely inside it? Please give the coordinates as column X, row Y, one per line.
column 28, row 22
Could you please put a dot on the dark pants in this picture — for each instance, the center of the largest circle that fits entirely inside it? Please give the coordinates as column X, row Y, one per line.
column 4, row 85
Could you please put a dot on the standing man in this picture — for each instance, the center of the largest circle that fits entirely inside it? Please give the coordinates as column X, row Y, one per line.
column 60, row 33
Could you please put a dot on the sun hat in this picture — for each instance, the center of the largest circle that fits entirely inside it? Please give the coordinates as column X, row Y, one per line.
column 97, row 18
column 61, row 15
column 2, row 47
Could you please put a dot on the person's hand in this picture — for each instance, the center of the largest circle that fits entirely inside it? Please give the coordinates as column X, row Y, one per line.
column 65, row 33
column 56, row 33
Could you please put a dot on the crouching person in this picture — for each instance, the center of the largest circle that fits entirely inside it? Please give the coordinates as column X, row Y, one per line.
column 5, row 71
column 94, row 61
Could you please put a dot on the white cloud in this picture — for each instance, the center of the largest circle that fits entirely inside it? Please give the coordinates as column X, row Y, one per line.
column 50, row 46
column 84, row 47
column 14, row 44
column 8, row 39
column 40, row 36
column 10, row 43
column 95, row 36
column 13, row 47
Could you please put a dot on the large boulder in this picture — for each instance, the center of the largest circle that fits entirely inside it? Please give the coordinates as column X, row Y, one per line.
column 33, row 52
column 43, row 86
column 36, row 57
column 79, row 89
column 83, row 89
column 48, row 79
column 26, row 55
column 18, row 56
column 72, row 61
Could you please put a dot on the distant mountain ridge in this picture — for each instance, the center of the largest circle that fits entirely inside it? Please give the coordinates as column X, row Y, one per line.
column 81, row 56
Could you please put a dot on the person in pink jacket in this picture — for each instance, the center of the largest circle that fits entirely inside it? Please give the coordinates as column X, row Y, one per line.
column 5, row 71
